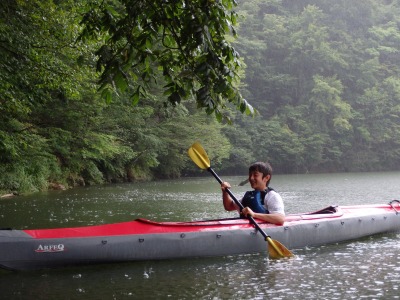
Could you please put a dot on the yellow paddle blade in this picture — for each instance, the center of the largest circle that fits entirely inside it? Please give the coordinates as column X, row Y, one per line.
column 277, row 250
column 199, row 156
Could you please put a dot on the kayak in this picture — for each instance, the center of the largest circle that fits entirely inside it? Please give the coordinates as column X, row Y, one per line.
column 143, row 239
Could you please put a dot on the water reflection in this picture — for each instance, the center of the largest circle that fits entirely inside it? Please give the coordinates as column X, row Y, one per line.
column 361, row 269
column 367, row 268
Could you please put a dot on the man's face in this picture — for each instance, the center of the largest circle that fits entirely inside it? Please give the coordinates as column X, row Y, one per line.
column 257, row 181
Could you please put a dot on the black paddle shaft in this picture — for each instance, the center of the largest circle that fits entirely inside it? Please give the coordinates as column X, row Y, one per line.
column 239, row 204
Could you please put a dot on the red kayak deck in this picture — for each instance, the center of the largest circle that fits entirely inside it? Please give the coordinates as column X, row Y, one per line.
column 143, row 226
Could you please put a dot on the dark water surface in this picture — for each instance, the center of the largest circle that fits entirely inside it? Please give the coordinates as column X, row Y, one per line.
column 361, row 269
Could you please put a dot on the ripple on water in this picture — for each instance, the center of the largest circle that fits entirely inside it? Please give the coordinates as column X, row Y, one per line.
column 362, row 269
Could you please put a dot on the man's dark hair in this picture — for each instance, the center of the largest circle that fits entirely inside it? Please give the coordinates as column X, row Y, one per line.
column 262, row 167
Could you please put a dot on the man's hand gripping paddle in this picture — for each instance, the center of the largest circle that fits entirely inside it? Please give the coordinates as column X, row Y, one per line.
column 200, row 158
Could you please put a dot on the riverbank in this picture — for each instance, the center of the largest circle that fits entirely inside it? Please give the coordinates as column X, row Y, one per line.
column 9, row 195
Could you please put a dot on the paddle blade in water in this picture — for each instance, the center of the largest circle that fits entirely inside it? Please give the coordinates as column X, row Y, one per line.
column 277, row 250
column 199, row 156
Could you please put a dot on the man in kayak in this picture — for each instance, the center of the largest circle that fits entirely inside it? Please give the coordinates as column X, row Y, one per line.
column 263, row 203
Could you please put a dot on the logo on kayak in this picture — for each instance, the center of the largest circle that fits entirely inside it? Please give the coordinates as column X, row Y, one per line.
column 50, row 248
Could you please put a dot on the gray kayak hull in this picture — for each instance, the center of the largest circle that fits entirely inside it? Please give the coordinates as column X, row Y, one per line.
column 140, row 239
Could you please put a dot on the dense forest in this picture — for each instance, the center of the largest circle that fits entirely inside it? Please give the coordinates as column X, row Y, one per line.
column 108, row 91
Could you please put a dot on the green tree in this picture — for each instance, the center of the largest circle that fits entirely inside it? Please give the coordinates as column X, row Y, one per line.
column 183, row 41
column 33, row 74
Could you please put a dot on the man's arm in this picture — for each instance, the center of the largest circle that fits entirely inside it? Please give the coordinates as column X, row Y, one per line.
column 228, row 202
column 274, row 218
column 276, row 210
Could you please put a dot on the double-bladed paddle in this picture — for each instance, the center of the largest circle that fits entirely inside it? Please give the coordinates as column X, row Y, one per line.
column 200, row 158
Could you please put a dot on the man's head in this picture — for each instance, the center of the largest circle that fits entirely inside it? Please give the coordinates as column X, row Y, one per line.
column 260, row 175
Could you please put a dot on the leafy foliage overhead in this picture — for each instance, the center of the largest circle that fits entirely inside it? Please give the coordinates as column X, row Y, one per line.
column 323, row 75
column 184, row 41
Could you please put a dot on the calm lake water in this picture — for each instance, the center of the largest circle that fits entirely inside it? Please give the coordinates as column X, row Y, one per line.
column 361, row 269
